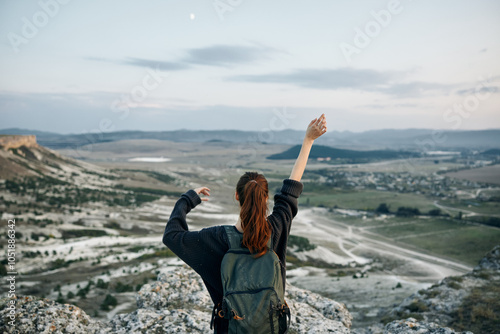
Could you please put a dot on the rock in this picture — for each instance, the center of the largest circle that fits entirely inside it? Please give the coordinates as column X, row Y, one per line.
column 181, row 294
column 176, row 303
column 491, row 261
column 179, row 303
column 303, row 302
column 161, row 321
column 34, row 315
column 16, row 141
column 173, row 290
column 448, row 302
column 412, row 326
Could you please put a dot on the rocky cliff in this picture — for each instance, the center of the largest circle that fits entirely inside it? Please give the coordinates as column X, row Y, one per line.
column 176, row 303
column 14, row 141
column 468, row 302
column 179, row 303
column 21, row 156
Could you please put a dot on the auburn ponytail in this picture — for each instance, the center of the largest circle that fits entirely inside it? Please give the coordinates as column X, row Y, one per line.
column 253, row 193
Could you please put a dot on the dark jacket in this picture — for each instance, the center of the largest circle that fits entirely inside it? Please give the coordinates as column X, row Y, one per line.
column 203, row 250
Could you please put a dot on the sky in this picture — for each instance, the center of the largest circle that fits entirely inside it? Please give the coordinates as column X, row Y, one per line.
column 70, row 66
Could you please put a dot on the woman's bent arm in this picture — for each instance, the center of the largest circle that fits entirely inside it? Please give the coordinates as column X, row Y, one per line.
column 316, row 128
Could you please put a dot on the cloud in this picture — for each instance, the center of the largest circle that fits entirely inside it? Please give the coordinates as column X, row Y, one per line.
column 484, row 89
column 216, row 55
column 323, row 78
column 415, row 88
column 162, row 65
column 346, row 78
column 390, row 105
column 227, row 55
column 131, row 61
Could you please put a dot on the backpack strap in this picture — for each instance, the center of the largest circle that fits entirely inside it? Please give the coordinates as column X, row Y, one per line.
column 233, row 236
column 270, row 242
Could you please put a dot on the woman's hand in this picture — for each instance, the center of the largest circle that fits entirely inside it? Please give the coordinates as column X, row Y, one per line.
column 203, row 190
column 316, row 128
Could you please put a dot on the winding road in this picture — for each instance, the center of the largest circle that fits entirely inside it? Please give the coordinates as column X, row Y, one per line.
column 349, row 240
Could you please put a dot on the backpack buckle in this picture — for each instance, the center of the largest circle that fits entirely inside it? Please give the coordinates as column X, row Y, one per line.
column 236, row 316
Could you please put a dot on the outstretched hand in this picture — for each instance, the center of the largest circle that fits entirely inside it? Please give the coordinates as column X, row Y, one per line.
column 316, row 128
column 203, row 190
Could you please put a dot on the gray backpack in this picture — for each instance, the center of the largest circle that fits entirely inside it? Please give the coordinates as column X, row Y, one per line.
column 253, row 290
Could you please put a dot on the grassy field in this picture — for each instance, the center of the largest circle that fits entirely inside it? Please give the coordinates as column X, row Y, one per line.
column 367, row 200
column 485, row 208
column 489, row 174
column 404, row 229
column 468, row 244
column 447, row 237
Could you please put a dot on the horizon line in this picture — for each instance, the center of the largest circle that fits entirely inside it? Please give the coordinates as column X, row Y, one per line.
column 2, row 131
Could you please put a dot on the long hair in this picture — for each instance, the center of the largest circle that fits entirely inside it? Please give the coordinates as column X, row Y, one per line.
column 253, row 193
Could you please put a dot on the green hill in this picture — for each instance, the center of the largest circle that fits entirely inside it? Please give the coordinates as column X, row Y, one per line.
column 319, row 151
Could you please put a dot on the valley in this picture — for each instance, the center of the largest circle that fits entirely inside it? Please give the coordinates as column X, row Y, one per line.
column 89, row 232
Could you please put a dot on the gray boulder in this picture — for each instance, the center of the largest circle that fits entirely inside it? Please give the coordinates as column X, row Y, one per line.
column 412, row 326
column 34, row 315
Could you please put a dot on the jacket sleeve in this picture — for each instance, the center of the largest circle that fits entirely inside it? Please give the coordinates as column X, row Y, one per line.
column 198, row 249
column 284, row 210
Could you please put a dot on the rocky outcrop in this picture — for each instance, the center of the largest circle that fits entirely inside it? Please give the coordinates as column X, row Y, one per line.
column 176, row 303
column 16, row 141
column 33, row 315
column 412, row 326
column 179, row 303
column 491, row 262
column 464, row 302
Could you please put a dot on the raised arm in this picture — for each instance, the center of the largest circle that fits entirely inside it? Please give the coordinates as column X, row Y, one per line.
column 316, row 128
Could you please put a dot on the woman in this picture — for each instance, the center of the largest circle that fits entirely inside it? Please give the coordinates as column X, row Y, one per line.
column 203, row 250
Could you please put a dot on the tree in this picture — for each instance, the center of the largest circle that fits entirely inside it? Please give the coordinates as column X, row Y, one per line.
column 435, row 212
column 404, row 211
column 383, row 208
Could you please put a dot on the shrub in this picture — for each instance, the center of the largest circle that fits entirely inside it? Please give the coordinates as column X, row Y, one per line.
column 435, row 212
column 101, row 284
column 454, row 285
column 82, row 293
column 417, row 306
column 480, row 311
column 66, row 234
column 120, row 287
column 302, row 243
column 404, row 211
column 159, row 253
column 108, row 301
column 382, row 208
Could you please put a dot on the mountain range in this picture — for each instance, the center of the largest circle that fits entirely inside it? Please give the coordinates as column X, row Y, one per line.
column 394, row 139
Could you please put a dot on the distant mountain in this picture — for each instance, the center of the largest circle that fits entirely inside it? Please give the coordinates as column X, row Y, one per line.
column 494, row 152
column 319, row 151
column 407, row 139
